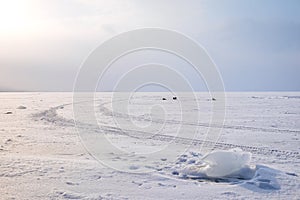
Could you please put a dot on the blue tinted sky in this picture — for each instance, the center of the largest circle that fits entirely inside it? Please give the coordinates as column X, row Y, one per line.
column 255, row 43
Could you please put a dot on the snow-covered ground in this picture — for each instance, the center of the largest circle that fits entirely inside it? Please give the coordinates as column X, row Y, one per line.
column 42, row 155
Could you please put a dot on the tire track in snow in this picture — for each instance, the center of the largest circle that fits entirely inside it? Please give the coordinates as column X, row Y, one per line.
column 52, row 117
column 108, row 112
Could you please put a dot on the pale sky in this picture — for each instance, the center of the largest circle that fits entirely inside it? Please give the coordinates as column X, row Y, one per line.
column 254, row 43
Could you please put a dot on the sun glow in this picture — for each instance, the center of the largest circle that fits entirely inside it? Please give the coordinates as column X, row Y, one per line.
column 15, row 17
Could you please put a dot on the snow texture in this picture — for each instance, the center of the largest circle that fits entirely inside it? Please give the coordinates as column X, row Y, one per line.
column 256, row 157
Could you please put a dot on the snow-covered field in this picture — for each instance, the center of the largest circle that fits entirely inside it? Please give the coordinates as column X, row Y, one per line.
column 42, row 155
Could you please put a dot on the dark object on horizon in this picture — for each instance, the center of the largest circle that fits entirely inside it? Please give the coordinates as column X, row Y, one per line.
column 175, row 173
column 21, row 107
column 174, row 98
column 8, row 113
column 164, row 99
column 213, row 99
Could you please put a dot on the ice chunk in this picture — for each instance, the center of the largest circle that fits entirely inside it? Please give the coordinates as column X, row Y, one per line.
column 222, row 163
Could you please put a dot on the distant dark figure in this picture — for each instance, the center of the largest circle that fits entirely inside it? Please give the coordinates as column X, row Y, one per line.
column 8, row 113
column 174, row 98
column 164, row 99
column 213, row 99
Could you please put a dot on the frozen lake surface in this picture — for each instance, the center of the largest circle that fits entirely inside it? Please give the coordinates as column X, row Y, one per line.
column 155, row 150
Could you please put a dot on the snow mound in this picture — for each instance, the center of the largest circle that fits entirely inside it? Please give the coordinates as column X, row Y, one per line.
column 222, row 163
column 265, row 178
